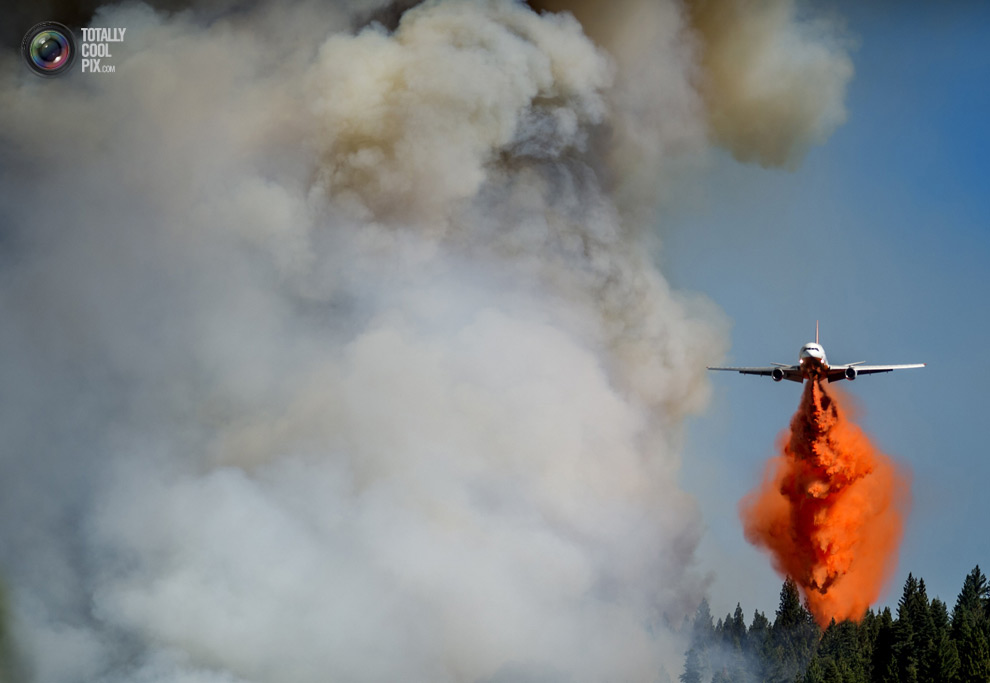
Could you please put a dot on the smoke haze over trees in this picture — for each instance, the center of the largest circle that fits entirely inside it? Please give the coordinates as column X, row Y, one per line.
column 919, row 642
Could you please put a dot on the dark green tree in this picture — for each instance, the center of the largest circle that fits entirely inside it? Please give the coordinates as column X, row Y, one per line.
column 923, row 628
column 866, row 635
column 792, row 639
column 840, row 645
column 969, row 628
column 735, row 629
column 757, row 642
column 921, row 645
column 912, row 631
column 833, row 672
column 884, row 665
column 971, row 647
column 815, row 673
column 942, row 663
column 974, row 594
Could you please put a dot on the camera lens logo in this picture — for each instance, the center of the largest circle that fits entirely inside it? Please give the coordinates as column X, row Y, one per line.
column 48, row 48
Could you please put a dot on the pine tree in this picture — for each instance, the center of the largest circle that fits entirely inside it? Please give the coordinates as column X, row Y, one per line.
column 833, row 674
column 923, row 628
column 974, row 594
column 757, row 639
column 734, row 629
column 913, row 630
column 866, row 636
column 815, row 673
column 922, row 645
column 734, row 644
column 884, row 668
column 702, row 630
column 692, row 667
column 942, row 663
column 840, row 645
column 969, row 620
column 971, row 646
column 696, row 665
column 793, row 637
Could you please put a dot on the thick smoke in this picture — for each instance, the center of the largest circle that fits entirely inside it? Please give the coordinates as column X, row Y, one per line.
column 771, row 75
column 773, row 85
column 336, row 354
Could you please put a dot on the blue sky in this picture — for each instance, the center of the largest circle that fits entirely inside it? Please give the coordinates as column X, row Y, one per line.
column 882, row 235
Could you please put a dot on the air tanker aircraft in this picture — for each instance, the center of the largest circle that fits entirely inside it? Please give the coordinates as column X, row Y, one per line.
column 812, row 364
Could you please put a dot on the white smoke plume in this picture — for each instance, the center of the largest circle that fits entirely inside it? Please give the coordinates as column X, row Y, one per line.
column 336, row 353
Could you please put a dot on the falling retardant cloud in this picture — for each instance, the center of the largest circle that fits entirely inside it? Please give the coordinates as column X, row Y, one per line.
column 337, row 353
column 830, row 511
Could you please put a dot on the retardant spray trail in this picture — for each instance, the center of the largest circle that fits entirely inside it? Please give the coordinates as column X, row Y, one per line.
column 830, row 510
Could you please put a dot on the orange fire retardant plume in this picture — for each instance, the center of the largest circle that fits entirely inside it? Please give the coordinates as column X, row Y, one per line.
column 830, row 510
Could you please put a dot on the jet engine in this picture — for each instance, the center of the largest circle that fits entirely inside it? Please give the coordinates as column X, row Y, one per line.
column 778, row 374
column 851, row 374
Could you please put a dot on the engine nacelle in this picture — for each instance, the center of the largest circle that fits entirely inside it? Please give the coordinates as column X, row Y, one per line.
column 777, row 374
column 851, row 374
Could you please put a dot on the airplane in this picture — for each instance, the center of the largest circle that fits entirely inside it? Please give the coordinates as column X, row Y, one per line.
column 813, row 365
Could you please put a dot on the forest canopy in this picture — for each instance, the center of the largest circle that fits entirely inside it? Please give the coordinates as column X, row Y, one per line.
column 922, row 642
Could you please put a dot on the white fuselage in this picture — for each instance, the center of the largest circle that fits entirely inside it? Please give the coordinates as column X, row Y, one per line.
column 812, row 359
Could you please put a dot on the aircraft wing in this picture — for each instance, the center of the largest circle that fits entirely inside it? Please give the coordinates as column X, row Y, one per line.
column 778, row 371
column 853, row 370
